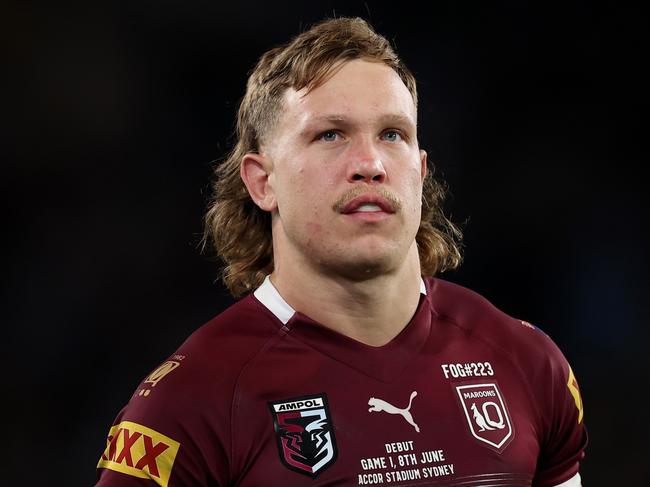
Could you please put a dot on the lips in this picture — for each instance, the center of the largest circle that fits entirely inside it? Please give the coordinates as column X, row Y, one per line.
column 368, row 203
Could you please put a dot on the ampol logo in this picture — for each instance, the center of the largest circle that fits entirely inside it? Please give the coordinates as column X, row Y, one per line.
column 486, row 414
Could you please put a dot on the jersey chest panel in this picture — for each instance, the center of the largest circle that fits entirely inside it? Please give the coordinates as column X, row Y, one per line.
column 304, row 419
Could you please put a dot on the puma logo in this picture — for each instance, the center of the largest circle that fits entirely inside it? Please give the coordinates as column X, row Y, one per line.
column 377, row 405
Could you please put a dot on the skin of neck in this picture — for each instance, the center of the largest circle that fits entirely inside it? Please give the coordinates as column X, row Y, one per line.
column 373, row 310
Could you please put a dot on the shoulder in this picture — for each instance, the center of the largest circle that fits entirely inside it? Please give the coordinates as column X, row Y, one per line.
column 233, row 335
column 213, row 355
column 197, row 382
column 530, row 352
column 478, row 319
column 471, row 311
column 185, row 403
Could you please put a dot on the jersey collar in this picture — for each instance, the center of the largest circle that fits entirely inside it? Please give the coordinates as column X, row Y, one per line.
column 385, row 363
column 268, row 295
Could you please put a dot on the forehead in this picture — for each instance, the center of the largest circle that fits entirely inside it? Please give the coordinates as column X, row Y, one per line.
column 359, row 90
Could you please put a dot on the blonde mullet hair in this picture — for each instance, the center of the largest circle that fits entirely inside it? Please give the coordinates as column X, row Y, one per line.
column 234, row 226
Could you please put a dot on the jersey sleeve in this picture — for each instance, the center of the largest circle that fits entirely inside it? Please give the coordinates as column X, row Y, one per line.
column 564, row 433
column 166, row 436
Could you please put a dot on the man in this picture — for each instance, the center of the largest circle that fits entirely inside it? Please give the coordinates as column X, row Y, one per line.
column 344, row 366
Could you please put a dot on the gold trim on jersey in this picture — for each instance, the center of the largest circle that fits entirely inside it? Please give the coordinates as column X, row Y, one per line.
column 572, row 384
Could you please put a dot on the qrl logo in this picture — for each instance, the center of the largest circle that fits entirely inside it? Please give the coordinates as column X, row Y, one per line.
column 139, row 451
column 486, row 414
column 305, row 434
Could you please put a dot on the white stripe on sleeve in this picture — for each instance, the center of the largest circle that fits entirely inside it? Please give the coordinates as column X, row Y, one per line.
column 572, row 482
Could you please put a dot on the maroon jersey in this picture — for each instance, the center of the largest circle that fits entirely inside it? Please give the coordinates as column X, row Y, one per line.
column 263, row 395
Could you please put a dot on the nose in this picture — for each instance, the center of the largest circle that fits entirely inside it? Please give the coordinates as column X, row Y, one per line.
column 365, row 164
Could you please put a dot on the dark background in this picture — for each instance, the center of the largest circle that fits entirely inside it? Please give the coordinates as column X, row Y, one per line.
column 112, row 112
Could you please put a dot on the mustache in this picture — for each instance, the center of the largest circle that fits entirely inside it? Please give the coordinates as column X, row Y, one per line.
column 348, row 196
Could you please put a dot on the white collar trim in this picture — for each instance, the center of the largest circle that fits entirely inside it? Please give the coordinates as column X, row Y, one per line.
column 269, row 296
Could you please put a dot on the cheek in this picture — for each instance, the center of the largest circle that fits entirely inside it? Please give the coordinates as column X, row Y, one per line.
column 303, row 208
column 311, row 193
column 313, row 228
column 412, row 190
column 313, row 232
column 417, row 193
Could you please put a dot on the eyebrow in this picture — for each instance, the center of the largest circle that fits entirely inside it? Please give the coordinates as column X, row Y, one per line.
column 386, row 119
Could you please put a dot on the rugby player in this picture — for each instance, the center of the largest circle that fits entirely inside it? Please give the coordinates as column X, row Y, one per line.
column 346, row 361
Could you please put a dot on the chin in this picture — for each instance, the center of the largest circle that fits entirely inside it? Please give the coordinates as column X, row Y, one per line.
column 362, row 267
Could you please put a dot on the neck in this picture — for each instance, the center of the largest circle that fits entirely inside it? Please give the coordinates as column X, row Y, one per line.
column 372, row 311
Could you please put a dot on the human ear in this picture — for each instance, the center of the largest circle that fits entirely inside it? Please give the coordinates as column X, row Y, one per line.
column 255, row 170
column 423, row 163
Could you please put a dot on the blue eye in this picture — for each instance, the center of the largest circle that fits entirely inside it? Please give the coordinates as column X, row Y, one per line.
column 392, row 136
column 328, row 136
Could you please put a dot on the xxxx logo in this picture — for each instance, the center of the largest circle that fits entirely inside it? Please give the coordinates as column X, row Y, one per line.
column 139, row 451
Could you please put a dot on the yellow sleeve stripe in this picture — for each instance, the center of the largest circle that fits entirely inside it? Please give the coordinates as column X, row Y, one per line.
column 139, row 451
column 572, row 384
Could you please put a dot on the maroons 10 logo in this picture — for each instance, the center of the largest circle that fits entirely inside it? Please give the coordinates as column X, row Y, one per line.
column 486, row 414
column 304, row 433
